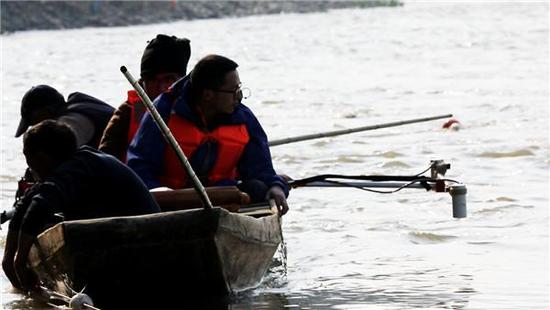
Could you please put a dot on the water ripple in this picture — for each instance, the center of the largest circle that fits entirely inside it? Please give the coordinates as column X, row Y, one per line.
column 395, row 164
column 518, row 153
column 343, row 159
column 503, row 208
column 419, row 237
column 389, row 154
column 272, row 102
column 502, row 198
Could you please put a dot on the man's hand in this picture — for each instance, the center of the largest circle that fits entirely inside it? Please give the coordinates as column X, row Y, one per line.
column 276, row 193
column 10, row 250
column 27, row 278
column 9, row 270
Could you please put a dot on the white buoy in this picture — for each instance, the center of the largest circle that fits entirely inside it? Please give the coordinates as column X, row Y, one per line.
column 80, row 301
column 458, row 194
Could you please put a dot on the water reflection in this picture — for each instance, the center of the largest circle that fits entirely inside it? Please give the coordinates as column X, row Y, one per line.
column 422, row 298
column 382, row 286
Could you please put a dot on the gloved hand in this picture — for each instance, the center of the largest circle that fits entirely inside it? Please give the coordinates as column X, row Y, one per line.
column 276, row 193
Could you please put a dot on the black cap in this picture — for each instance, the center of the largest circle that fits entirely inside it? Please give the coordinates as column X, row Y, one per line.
column 35, row 99
column 165, row 54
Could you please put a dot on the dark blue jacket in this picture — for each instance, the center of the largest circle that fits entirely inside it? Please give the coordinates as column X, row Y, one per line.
column 91, row 184
column 146, row 152
column 96, row 110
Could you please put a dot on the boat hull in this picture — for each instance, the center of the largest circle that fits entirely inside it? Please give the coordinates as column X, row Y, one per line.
column 157, row 259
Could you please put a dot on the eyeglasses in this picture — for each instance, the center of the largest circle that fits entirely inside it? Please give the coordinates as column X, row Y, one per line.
column 244, row 91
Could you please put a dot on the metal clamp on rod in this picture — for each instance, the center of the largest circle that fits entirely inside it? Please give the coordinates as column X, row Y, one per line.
column 170, row 138
column 438, row 167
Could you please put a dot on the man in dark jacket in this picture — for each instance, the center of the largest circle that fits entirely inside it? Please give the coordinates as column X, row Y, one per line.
column 85, row 115
column 80, row 183
column 222, row 138
column 163, row 62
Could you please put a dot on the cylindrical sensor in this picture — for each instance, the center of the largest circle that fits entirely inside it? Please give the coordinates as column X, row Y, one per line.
column 458, row 194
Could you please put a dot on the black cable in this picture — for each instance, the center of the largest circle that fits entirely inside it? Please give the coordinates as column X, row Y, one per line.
column 412, row 179
column 426, row 186
column 374, row 178
column 430, row 167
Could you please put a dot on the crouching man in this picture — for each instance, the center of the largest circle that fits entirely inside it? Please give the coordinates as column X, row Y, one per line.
column 80, row 183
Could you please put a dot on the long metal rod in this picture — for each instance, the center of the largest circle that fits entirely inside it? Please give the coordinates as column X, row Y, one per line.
column 362, row 184
column 168, row 135
column 352, row 130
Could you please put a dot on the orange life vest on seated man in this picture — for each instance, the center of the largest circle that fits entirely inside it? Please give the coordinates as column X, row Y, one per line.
column 137, row 109
column 231, row 141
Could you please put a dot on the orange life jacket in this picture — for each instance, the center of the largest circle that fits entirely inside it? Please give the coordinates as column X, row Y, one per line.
column 231, row 140
column 137, row 109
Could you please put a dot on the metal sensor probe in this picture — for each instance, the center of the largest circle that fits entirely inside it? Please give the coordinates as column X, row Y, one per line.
column 458, row 194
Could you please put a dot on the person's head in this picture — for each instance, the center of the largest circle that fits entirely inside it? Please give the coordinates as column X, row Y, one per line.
column 47, row 145
column 39, row 103
column 163, row 62
column 215, row 85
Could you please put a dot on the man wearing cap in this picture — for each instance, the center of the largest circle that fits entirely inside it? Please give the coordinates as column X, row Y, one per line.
column 85, row 115
column 81, row 183
column 164, row 61
column 222, row 138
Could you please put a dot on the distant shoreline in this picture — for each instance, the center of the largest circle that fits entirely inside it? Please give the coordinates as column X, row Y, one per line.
column 49, row 15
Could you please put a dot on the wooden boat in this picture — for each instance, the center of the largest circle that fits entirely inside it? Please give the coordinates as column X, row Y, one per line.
column 158, row 260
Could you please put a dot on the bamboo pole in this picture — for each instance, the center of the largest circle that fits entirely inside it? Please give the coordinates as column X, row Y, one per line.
column 170, row 137
column 352, row 130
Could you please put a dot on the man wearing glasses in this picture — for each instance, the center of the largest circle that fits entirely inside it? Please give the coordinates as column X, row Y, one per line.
column 222, row 138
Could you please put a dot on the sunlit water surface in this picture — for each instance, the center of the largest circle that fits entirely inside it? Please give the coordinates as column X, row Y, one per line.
column 350, row 249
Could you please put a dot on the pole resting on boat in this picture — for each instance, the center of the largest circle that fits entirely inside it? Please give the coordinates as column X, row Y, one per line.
column 169, row 137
